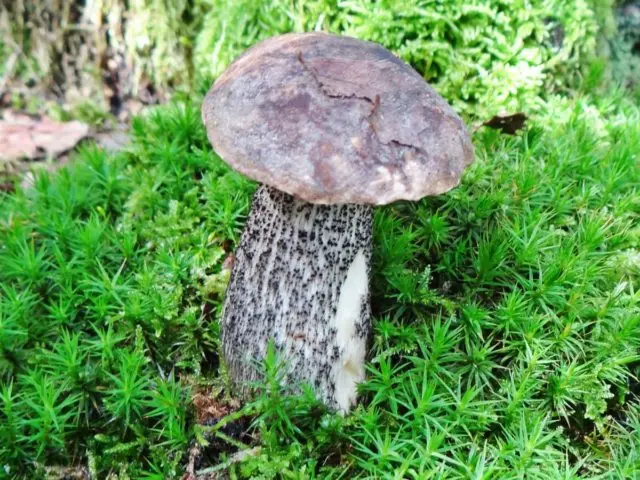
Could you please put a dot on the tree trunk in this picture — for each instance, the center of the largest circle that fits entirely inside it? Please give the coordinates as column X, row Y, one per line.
column 301, row 279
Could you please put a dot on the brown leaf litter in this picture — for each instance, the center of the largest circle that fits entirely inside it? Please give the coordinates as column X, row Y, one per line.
column 508, row 123
column 25, row 137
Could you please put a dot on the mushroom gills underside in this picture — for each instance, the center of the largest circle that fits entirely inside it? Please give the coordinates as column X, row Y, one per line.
column 301, row 279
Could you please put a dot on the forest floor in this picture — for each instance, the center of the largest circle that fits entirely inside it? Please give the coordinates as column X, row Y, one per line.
column 507, row 320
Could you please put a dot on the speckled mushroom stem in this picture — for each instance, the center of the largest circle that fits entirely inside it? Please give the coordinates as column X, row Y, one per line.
column 301, row 278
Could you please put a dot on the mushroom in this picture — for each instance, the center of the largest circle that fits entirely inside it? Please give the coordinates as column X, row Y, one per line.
column 330, row 126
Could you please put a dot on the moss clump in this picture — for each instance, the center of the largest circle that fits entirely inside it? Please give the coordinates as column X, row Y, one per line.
column 506, row 319
column 483, row 56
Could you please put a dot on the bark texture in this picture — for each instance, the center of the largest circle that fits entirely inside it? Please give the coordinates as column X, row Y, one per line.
column 301, row 278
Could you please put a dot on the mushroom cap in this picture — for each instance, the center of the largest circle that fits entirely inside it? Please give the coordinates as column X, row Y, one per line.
column 332, row 119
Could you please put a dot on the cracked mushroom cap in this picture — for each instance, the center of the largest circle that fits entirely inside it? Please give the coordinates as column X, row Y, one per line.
column 332, row 119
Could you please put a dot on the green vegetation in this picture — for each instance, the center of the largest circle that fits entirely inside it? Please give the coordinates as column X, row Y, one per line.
column 484, row 56
column 104, row 270
column 507, row 318
column 507, row 313
column 625, row 51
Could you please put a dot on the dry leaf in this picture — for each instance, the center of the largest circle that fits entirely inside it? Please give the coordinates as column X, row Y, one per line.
column 508, row 124
column 208, row 409
column 26, row 137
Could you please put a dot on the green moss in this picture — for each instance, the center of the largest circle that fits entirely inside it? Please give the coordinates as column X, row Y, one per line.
column 506, row 318
column 483, row 56
column 101, row 270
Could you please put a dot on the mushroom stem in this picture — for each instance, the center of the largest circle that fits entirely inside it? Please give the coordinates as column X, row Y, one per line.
column 301, row 279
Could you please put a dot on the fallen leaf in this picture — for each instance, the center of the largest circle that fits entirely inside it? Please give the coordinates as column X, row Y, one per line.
column 32, row 138
column 508, row 124
column 208, row 409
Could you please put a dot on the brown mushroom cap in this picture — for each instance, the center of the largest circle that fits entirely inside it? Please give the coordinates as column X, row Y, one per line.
column 332, row 119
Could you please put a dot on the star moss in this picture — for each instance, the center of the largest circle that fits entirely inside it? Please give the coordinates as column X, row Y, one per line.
column 506, row 320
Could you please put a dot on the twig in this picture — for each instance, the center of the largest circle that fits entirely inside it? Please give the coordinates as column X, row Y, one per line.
column 231, row 441
column 237, row 457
